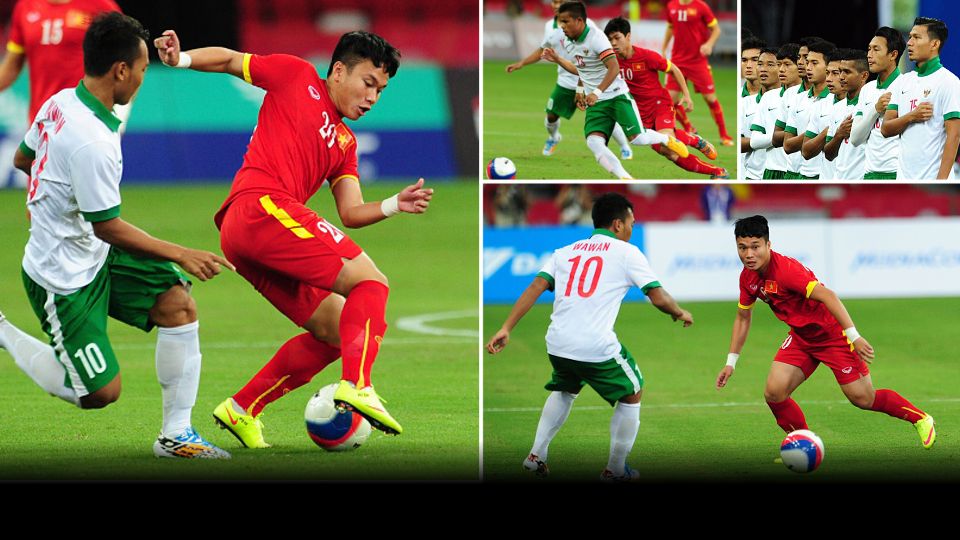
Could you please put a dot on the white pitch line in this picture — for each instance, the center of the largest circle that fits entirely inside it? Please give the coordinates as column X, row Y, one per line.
column 694, row 405
column 418, row 324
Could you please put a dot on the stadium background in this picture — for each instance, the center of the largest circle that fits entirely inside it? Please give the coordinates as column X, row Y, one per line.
column 186, row 138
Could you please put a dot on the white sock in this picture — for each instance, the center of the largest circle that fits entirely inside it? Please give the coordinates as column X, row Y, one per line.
column 555, row 413
column 605, row 157
column 38, row 360
column 553, row 128
column 620, row 136
column 623, row 431
column 178, row 370
column 650, row 137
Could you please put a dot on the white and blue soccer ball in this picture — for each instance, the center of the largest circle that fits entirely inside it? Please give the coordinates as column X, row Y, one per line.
column 501, row 168
column 334, row 429
column 802, row 451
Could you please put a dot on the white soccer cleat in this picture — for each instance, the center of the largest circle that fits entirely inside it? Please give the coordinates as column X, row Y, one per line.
column 534, row 464
column 188, row 445
column 629, row 475
column 626, row 153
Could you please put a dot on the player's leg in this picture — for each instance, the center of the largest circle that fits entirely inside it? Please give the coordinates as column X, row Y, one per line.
column 564, row 386
column 792, row 365
column 597, row 143
column 560, row 104
column 624, row 110
column 37, row 359
column 674, row 89
column 716, row 110
column 626, row 152
column 663, row 121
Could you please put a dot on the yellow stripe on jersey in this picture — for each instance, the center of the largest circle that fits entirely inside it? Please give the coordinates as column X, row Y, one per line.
column 606, row 53
column 669, row 65
column 712, row 23
column 284, row 218
column 810, row 287
column 339, row 178
column 246, row 68
column 741, row 306
column 15, row 48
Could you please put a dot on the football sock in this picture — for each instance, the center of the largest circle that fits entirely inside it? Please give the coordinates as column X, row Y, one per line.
column 788, row 414
column 717, row 111
column 892, row 403
column 362, row 326
column 297, row 361
column 553, row 128
column 620, row 137
column 623, row 432
column 605, row 157
column 686, row 138
column 681, row 115
column 694, row 164
column 555, row 413
column 178, row 370
column 649, row 137
column 38, row 360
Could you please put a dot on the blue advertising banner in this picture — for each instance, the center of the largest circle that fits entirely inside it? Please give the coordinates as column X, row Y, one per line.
column 513, row 256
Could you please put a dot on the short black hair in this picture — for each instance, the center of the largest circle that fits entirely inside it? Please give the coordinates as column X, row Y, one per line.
column 894, row 39
column 112, row 37
column 752, row 227
column 789, row 50
column 608, row 207
column 617, row 24
column 752, row 42
column 857, row 56
column 575, row 8
column 936, row 28
column 355, row 47
column 824, row 47
column 768, row 50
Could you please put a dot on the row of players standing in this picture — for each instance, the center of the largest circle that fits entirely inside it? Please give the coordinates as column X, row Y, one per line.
column 896, row 126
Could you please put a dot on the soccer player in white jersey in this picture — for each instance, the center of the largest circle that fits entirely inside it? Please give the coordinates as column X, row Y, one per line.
column 817, row 56
column 778, row 165
column 608, row 101
column 926, row 110
column 881, row 154
column 562, row 99
column 751, row 163
column 761, row 129
column 590, row 278
column 83, row 262
column 848, row 160
column 823, row 117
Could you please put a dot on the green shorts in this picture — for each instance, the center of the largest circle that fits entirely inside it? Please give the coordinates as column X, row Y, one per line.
column 613, row 379
column 125, row 289
column 771, row 174
column 880, row 176
column 790, row 175
column 562, row 102
column 603, row 115
column 802, row 177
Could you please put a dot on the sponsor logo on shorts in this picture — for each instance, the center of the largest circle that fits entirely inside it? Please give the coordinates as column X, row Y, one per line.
column 787, row 342
column 847, row 369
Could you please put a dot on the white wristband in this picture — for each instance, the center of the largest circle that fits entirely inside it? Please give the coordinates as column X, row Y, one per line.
column 581, row 90
column 390, row 206
column 597, row 92
column 852, row 333
column 732, row 359
column 185, row 61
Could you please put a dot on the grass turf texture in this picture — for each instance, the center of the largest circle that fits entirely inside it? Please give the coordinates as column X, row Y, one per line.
column 513, row 115
column 689, row 431
column 431, row 381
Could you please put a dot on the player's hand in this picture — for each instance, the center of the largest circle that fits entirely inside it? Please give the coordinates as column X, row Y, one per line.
column 843, row 130
column 684, row 316
column 724, row 376
column 580, row 100
column 203, row 264
column 706, row 50
column 168, row 47
column 686, row 103
column 923, row 112
column 590, row 100
column 549, row 55
column 514, row 67
column 498, row 341
column 882, row 103
column 414, row 199
column 863, row 349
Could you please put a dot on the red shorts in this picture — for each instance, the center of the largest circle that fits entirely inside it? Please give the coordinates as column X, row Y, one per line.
column 700, row 74
column 836, row 353
column 285, row 250
column 659, row 117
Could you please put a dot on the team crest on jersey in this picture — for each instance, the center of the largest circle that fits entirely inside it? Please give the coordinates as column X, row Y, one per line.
column 33, row 17
column 344, row 137
column 639, row 66
column 78, row 19
column 314, row 93
column 770, row 287
column 926, row 93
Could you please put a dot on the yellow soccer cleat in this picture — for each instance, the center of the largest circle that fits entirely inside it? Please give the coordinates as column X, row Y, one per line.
column 247, row 429
column 367, row 404
column 678, row 147
column 928, row 433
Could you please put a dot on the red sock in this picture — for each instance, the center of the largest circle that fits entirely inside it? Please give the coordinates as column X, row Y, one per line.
column 686, row 138
column 293, row 366
column 681, row 115
column 693, row 164
column 362, row 325
column 892, row 403
column 717, row 113
column 788, row 414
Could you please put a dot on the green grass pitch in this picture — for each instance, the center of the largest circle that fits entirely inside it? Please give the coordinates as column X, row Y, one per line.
column 689, row 431
column 430, row 379
column 513, row 113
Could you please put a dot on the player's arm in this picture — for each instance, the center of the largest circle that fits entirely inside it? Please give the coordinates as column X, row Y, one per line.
column 813, row 143
column 707, row 48
column 551, row 55
column 23, row 160
column 832, row 302
column 355, row 213
column 682, row 81
column 745, row 145
column 832, row 147
column 211, row 59
column 666, row 40
column 779, row 134
column 613, row 71
column 792, row 141
column 894, row 124
column 532, row 58
column 952, row 127
column 741, row 327
column 520, row 308
column 662, row 300
column 10, row 68
column 761, row 133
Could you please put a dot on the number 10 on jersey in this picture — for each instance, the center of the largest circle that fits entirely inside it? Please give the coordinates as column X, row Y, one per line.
column 594, row 264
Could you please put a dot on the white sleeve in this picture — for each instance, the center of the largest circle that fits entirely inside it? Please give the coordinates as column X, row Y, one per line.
column 95, row 172
column 863, row 122
column 32, row 139
column 813, row 125
column 547, row 34
column 950, row 97
column 638, row 270
column 765, row 122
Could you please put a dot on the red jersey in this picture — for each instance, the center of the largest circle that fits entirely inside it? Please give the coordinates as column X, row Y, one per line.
column 786, row 285
column 51, row 37
column 641, row 71
column 300, row 140
column 692, row 24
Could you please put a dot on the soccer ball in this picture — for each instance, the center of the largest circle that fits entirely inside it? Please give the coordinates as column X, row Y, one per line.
column 802, row 451
column 331, row 428
column 501, row 168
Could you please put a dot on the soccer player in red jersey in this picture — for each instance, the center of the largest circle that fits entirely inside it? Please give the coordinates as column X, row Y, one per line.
column 306, row 267
column 694, row 30
column 640, row 68
column 821, row 332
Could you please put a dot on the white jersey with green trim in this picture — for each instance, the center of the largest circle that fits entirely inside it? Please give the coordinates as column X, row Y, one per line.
column 791, row 98
column 74, row 181
column 796, row 123
column 552, row 39
column 922, row 143
column 821, row 108
column 587, row 53
column 763, row 126
column 882, row 154
column 828, row 168
column 590, row 278
column 848, row 165
column 751, row 163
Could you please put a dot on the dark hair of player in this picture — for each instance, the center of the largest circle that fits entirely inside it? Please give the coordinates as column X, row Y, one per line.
column 857, row 56
column 824, row 47
column 936, row 28
column 355, row 47
column 111, row 38
column 894, row 40
column 752, row 42
column 806, row 41
column 608, row 207
column 789, row 50
column 752, row 227
column 617, row 24
column 768, row 50
column 576, row 9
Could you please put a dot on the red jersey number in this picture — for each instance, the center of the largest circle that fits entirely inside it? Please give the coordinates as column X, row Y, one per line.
column 587, row 267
